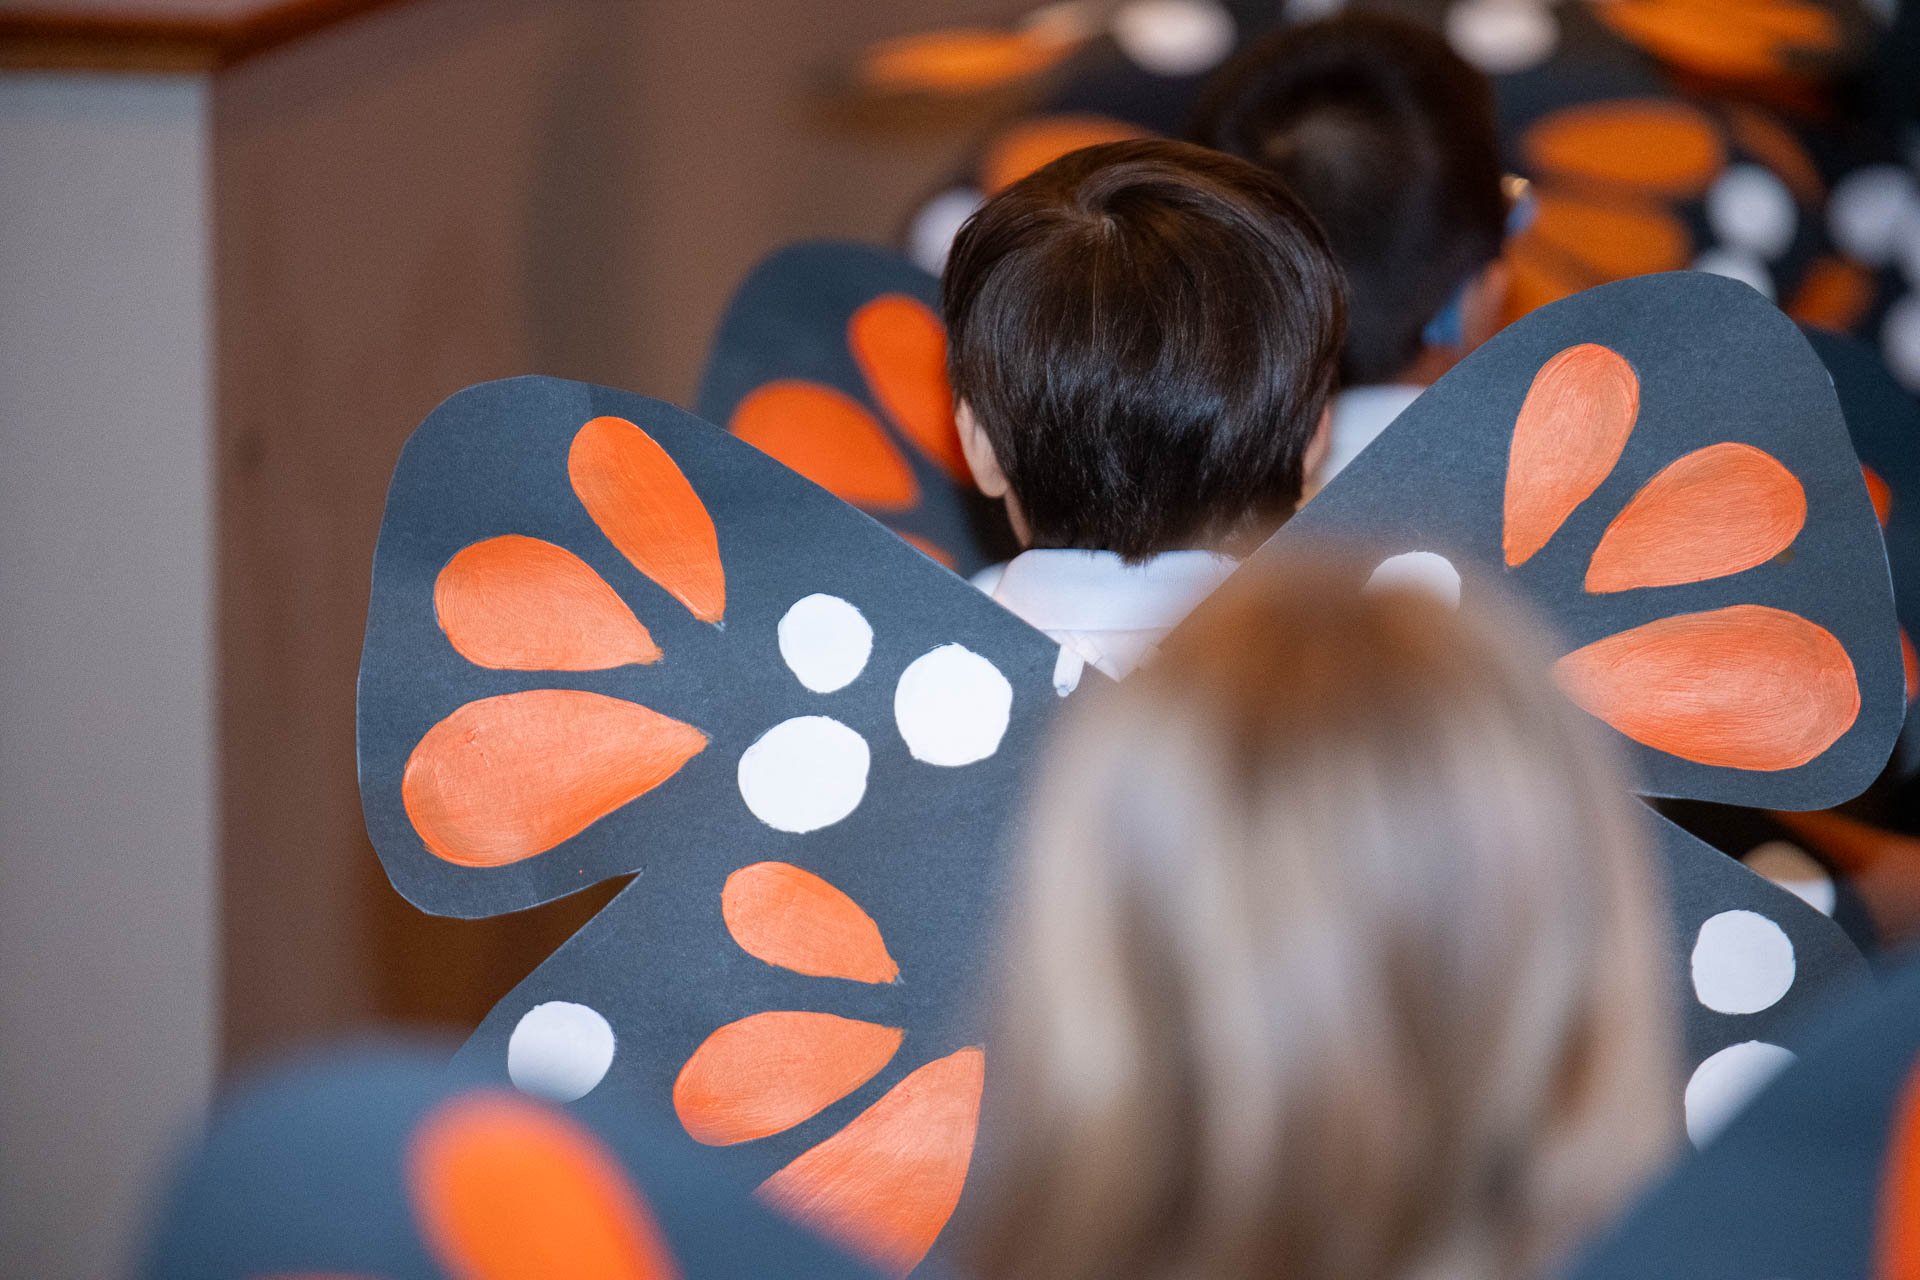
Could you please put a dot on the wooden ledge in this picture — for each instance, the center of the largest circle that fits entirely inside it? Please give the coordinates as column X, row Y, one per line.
column 158, row 35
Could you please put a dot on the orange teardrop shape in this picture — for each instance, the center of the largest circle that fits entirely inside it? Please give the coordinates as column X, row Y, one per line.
column 1897, row 1241
column 1607, row 238
column 1879, row 493
column 506, row 1189
column 792, row 918
column 1745, row 687
column 520, row 604
column 507, row 777
column 641, row 500
column 901, row 347
column 1834, row 293
column 960, row 60
column 1763, row 138
column 827, row 437
column 1572, row 426
column 1712, row 513
column 1658, row 146
column 766, row 1073
column 1033, row 144
column 1729, row 39
column 1538, row 274
column 885, row 1185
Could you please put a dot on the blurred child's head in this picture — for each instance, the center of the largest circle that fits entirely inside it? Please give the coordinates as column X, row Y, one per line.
column 1334, row 952
column 1142, row 339
column 1388, row 137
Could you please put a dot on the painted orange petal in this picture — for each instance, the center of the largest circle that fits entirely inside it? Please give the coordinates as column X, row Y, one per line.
column 961, row 60
column 1712, row 513
column 1741, row 40
column 928, row 548
column 506, row 1189
column 521, row 604
column 641, row 500
column 1658, row 146
column 1609, row 238
column 1033, row 144
column 766, row 1073
column 885, row 1185
column 1897, row 1241
column 1834, row 293
column 1909, row 665
column 1745, row 687
column 827, row 437
column 1575, row 421
column 1538, row 274
column 792, row 918
column 1880, row 493
column 1763, row 138
column 901, row 347
column 507, row 777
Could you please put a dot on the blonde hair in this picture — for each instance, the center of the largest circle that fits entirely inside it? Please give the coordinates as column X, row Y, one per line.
column 1334, row 954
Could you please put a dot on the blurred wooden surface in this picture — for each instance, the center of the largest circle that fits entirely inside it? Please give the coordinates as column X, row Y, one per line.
column 431, row 195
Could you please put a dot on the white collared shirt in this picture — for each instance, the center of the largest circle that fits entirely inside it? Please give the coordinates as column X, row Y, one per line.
column 1102, row 611
column 1360, row 414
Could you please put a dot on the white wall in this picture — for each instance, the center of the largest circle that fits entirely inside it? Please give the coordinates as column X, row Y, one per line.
column 107, row 818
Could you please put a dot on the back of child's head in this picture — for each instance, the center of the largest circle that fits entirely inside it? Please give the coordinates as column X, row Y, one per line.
column 1388, row 137
column 1334, row 951
column 1146, row 332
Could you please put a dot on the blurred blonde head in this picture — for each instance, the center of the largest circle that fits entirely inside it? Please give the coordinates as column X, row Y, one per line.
column 1335, row 955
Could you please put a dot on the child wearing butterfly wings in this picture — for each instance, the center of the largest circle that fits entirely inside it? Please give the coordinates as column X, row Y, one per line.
column 1356, row 973
column 1142, row 337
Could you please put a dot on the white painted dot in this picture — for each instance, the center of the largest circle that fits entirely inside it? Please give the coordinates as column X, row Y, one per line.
column 1865, row 207
column 825, row 642
column 1742, row 963
column 1749, row 208
column 1175, row 37
column 1721, row 1087
column 1737, row 264
column 1795, row 870
column 804, row 774
column 1426, row 571
column 1900, row 339
column 559, row 1050
column 931, row 234
column 952, row 706
column 1502, row 36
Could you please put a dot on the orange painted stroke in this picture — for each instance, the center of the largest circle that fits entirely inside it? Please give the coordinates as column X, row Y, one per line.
column 1769, row 142
column 521, row 604
column 1715, row 512
column 1897, row 1239
column 901, row 348
column 1909, row 665
column 1610, row 237
column 1745, row 687
column 1572, row 426
column 827, row 437
column 1834, row 293
column 768, row 1072
column 1538, row 274
column 1654, row 145
column 641, row 500
column 508, row 777
column 885, row 1185
column 1857, row 848
column 1033, row 144
column 506, row 1189
column 1731, row 39
column 792, row 918
column 961, row 60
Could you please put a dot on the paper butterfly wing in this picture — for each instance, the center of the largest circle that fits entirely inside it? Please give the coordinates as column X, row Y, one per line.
column 552, row 528
column 1662, row 448
column 831, row 358
column 1814, row 1179
column 380, row 1163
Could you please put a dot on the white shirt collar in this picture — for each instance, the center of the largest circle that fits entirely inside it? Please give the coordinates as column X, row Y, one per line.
column 1360, row 414
column 1059, row 590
